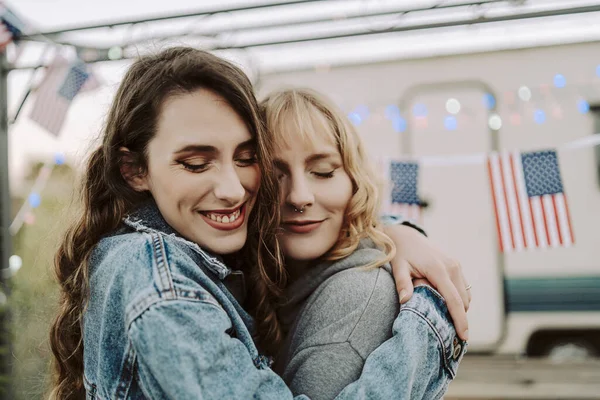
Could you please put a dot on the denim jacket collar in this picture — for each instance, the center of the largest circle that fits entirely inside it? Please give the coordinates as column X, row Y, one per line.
column 147, row 218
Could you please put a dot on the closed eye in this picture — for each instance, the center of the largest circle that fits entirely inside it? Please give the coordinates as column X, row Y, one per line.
column 197, row 168
column 324, row 175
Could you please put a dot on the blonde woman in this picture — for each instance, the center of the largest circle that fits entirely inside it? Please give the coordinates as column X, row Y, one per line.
column 341, row 302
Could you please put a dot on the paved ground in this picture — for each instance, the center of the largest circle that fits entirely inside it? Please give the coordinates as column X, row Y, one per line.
column 482, row 377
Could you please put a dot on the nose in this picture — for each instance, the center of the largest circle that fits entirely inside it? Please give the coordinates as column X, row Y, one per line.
column 299, row 194
column 229, row 188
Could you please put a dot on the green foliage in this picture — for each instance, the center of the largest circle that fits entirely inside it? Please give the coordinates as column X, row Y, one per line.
column 34, row 295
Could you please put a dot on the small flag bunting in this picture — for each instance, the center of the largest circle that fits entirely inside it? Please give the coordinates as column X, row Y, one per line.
column 11, row 27
column 402, row 195
column 63, row 81
column 530, row 203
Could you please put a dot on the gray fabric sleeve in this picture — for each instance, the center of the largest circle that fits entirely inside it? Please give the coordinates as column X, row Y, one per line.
column 321, row 372
column 343, row 322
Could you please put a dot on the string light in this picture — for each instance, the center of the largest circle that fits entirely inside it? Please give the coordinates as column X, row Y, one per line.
column 450, row 123
column 539, row 116
column 560, row 81
column 115, row 53
column 583, row 106
column 495, row 122
column 489, row 101
column 59, row 158
column 355, row 118
column 524, row 93
column 399, row 124
column 34, row 200
column 14, row 264
column 453, row 106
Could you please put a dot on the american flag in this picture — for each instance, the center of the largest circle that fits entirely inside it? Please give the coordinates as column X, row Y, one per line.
column 529, row 201
column 11, row 26
column 402, row 197
column 63, row 81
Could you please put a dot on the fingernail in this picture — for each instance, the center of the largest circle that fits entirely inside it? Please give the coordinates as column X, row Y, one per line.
column 403, row 294
column 466, row 334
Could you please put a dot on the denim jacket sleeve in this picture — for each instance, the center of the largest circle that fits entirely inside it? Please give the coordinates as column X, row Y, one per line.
column 209, row 363
column 420, row 359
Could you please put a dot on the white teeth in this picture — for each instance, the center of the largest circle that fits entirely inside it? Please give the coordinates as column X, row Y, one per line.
column 225, row 219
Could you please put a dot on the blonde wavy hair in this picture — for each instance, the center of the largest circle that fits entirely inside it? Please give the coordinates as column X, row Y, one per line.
column 296, row 115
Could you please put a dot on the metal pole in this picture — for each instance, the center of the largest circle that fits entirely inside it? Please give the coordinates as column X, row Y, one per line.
column 5, row 242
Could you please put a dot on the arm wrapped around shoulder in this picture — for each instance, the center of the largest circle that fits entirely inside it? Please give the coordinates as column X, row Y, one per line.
column 421, row 358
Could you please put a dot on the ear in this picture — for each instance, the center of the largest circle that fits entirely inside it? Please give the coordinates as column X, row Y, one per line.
column 131, row 171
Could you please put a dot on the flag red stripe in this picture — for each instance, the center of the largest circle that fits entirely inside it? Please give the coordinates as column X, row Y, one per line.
column 514, row 176
column 568, row 218
column 537, row 241
column 545, row 221
column 560, row 239
column 510, row 228
column 495, row 205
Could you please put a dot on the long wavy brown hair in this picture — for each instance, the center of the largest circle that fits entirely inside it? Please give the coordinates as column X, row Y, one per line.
column 106, row 197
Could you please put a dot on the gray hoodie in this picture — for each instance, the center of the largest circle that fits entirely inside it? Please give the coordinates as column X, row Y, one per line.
column 336, row 314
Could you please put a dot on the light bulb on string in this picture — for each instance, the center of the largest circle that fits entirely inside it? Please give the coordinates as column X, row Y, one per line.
column 560, row 81
column 524, row 93
column 453, row 106
column 489, row 101
column 399, row 124
column 450, row 123
column 34, row 200
column 355, row 118
column 583, row 106
column 115, row 53
column 59, row 158
column 14, row 264
column 539, row 116
column 495, row 122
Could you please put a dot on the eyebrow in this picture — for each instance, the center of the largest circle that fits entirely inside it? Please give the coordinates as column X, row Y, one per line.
column 282, row 165
column 319, row 156
column 199, row 148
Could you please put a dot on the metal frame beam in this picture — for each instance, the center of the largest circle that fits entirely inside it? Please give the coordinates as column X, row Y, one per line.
column 351, row 16
column 367, row 32
column 199, row 13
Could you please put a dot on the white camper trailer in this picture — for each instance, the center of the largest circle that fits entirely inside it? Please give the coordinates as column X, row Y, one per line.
column 539, row 301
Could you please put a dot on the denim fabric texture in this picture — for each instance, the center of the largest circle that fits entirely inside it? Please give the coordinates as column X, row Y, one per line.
column 160, row 323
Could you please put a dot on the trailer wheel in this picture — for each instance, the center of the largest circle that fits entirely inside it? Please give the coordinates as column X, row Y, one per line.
column 571, row 350
column 561, row 346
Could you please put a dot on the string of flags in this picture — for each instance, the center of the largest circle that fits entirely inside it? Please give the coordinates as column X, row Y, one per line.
column 11, row 27
column 62, row 82
column 529, row 200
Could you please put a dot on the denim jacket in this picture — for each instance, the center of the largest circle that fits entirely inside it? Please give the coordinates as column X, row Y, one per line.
column 161, row 324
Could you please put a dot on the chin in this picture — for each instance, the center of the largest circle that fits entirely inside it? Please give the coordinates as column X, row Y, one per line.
column 302, row 253
column 225, row 246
